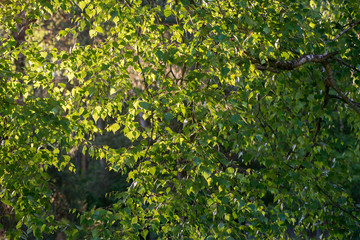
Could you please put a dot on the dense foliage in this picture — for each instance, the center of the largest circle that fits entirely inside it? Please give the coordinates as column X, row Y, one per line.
column 237, row 118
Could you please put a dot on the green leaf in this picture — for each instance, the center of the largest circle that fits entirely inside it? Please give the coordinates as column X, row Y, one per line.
column 167, row 12
column 152, row 171
column 206, row 174
column 144, row 233
column 114, row 127
column 92, row 33
column 82, row 5
column 225, row 71
column 43, row 54
column 267, row 30
column 145, row 105
column 18, row 225
column 99, row 29
column 197, row 161
column 235, row 118
column 168, row 116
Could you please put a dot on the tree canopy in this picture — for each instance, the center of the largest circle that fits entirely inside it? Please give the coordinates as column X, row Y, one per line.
column 240, row 118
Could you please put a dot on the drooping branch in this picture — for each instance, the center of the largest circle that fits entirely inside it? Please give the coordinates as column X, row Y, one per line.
column 331, row 82
column 346, row 29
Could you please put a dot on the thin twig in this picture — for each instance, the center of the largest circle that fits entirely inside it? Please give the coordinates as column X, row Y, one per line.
column 337, row 97
column 335, row 203
column 142, row 72
column 346, row 64
column 318, row 122
column 347, row 29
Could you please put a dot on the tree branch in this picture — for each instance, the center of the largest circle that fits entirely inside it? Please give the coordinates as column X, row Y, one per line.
column 347, row 29
column 335, row 203
column 318, row 122
column 278, row 66
column 289, row 65
column 332, row 83
column 346, row 64
column 264, row 68
column 337, row 97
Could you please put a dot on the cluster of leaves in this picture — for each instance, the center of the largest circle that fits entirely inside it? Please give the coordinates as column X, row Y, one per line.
column 252, row 126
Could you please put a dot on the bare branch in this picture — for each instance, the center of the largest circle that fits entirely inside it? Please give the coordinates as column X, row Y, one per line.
column 347, row 29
